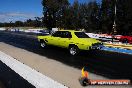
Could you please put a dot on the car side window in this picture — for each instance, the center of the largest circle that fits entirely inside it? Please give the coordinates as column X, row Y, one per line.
column 66, row 34
column 81, row 35
column 57, row 34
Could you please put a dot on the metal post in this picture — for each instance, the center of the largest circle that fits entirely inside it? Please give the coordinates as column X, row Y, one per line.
column 114, row 25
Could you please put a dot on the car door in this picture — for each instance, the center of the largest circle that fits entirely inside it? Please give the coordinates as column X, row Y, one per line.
column 53, row 40
column 65, row 39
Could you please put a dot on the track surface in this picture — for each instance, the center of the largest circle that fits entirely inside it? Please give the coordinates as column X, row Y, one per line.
column 108, row 64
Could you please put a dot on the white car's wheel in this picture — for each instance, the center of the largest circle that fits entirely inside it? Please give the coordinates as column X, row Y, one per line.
column 73, row 50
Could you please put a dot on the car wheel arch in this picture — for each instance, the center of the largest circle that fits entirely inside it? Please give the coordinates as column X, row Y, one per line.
column 70, row 45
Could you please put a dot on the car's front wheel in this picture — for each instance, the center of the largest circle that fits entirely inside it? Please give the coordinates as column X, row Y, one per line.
column 73, row 50
column 43, row 44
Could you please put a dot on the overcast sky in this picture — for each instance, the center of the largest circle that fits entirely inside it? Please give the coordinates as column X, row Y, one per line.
column 12, row 10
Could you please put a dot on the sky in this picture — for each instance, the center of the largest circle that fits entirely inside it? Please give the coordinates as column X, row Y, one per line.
column 13, row 10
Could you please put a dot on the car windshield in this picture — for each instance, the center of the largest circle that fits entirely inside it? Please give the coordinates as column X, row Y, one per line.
column 81, row 35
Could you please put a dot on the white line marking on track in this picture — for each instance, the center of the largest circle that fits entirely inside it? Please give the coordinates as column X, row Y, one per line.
column 32, row 76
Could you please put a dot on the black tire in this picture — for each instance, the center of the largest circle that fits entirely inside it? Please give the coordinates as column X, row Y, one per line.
column 43, row 44
column 73, row 50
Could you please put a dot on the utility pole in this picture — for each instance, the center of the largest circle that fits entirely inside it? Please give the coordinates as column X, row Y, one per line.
column 114, row 25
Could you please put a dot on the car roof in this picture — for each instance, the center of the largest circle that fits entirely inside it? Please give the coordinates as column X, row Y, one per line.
column 70, row 30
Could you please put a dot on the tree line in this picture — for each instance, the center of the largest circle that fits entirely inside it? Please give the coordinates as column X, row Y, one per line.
column 91, row 16
column 59, row 13
column 123, row 17
column 28, row 23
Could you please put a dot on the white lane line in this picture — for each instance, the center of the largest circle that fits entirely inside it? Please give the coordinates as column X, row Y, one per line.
column 32, row 76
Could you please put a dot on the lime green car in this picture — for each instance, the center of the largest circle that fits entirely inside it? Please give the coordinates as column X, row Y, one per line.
column 74, row 41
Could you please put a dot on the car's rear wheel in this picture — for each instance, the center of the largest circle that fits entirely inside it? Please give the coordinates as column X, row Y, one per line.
column 43, row 44
column 73, row 50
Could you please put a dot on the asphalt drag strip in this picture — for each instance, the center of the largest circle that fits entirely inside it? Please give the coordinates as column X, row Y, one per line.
column 107, row 64
column 100, row 58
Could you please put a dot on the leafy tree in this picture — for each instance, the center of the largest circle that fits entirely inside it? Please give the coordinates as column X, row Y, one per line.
column 50, row 11
column 81, row 16
column 107, row 15
column 19, row 24
column 124, row 16
column 37, row 22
